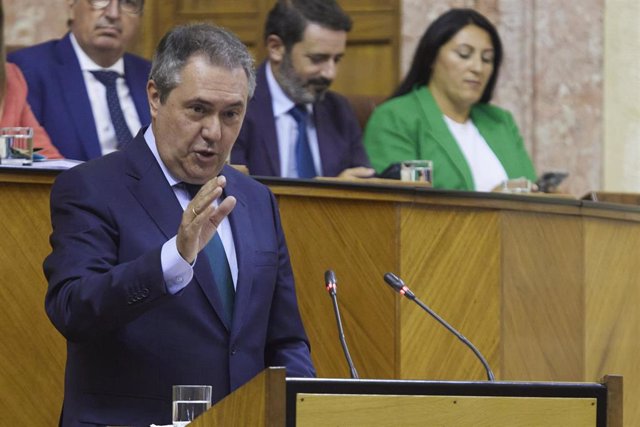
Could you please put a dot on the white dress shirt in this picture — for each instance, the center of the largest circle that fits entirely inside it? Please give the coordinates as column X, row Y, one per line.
column 178, row 272
column 486, row 169
column 287, row 130
column 98, row 97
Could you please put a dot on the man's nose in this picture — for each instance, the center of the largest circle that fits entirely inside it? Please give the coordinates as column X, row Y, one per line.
column 113, row 9
column 211, row 128
column 329, row 69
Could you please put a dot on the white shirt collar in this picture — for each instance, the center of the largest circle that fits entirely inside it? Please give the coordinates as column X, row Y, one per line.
column 88, row 64
column 150, row 139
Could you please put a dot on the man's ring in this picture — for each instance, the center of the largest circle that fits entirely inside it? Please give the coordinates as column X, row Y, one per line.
column 194, row 211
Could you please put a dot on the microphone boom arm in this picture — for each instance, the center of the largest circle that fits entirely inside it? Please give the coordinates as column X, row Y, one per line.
column 398, row 285
column 330, row 281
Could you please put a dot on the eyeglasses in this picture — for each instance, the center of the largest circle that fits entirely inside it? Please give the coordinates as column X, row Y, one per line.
column 133, row 7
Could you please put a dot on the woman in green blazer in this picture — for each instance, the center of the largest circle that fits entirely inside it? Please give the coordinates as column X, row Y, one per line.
column 441, row 111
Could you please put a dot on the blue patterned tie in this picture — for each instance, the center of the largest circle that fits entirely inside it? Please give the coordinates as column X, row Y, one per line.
column 304, row 159
column 108, row 79
column 219, row 265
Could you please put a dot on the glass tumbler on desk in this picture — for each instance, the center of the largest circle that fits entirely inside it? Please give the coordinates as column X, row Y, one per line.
column 189, row 401
column 16, row 146
column 416, row 170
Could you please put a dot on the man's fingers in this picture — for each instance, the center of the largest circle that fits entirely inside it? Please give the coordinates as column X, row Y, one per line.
column 222, row 210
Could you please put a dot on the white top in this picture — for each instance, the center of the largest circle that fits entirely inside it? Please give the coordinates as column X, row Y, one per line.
column 178, row 272
column 287, row 130
column 486, row 169
column 98, row 97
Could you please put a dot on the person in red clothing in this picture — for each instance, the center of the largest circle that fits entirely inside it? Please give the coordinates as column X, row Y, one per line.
column 14, row 108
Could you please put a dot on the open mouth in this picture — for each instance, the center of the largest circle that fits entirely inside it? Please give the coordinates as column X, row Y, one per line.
column 205, row 154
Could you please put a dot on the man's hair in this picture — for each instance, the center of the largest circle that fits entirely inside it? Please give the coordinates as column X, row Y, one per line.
column 289, row 18
column 443, row 29
column 220, row 46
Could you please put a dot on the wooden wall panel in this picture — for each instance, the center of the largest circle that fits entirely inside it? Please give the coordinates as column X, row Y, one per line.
column 32, row 355
column 613, row 292
column 543, row 297
column 455, row 270
column 373, row 43
column 328, row 235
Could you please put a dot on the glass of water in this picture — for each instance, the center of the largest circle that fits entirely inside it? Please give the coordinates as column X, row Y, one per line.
column 16, row 145
column 189, row 401
column 416, row 171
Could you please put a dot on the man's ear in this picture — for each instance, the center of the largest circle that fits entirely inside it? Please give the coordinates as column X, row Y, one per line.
column 275, row 48
column 153, row 97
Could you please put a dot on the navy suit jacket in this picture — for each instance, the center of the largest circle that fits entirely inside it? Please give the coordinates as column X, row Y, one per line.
column 128, row 339
column 339, row 134
column 59, row 99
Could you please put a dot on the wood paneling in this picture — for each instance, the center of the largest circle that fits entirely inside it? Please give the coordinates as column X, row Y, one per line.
column 373, row 43
column 455, row 267
column 544, row 304
column 459, row 411
column 547, row 289
column 612, row 278
column 328, row 236
column 32, row 355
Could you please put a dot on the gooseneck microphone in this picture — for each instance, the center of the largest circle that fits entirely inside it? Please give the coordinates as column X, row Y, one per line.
column 330, row 283
column 398, row 285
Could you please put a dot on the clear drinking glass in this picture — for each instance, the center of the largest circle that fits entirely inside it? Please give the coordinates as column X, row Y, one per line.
column 16, row 146
column 189, row 401
column 416, row 170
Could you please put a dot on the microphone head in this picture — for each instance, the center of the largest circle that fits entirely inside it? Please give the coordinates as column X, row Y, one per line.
column 394, row 281
column 330, row 281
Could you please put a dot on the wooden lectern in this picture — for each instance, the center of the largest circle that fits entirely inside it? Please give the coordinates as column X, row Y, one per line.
column 371, row 403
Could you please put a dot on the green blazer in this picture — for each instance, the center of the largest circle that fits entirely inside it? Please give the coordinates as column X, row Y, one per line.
column 412, row 127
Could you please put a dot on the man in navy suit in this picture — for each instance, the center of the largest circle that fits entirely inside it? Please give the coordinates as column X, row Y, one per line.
column 305, row 40
column 65, row 92
column 134, row 274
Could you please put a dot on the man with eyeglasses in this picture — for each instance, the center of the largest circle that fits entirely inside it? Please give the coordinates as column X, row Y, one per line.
column 84, row 89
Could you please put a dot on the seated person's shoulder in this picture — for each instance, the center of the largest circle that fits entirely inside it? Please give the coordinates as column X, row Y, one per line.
column 492, row 112
column 403, row 109
column 41, row 52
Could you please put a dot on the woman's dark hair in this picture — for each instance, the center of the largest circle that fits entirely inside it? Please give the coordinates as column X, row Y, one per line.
column 439, row 33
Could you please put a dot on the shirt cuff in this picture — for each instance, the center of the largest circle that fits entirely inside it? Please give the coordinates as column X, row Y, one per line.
column 176, row 271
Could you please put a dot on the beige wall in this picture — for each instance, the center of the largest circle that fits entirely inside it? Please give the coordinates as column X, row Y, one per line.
column 552, row 78
column 32, row 21
column 622, row 96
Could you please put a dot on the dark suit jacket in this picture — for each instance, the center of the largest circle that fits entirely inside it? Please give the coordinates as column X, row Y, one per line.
column 59, row 99
column 128, row 339
column 339, row 134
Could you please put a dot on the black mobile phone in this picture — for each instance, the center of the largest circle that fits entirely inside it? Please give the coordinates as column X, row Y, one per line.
column 549, row 181
column 391, row 172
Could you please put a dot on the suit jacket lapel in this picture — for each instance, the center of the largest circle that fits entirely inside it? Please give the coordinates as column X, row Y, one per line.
column 328, row 140
column 76, row 98
column 493, row 132
column 153, row 192
column 265, row 123
column 136, row 80
column 242, row 230
column 442, row 135
column 150, row 187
